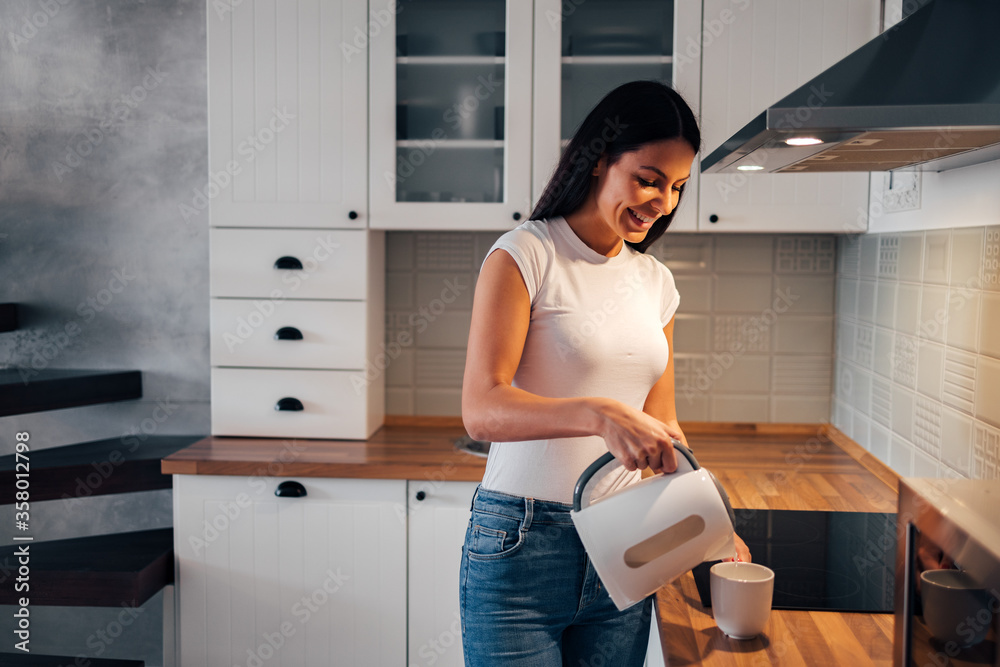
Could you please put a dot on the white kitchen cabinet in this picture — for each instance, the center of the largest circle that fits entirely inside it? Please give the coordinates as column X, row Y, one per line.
column 585, row 49
column 438, row 515
column 297, row 282
column 451, row 115
column 307, row 581
column 753, row 54
column 288, row 116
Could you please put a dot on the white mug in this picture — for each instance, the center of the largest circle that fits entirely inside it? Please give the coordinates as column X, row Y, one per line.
column 741, row 597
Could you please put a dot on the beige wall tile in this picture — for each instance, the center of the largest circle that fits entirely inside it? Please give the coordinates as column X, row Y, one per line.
column 911, row 248
column 732, row 374
column 800, row 409
column 991, row 259
column 696, row 293
column 985, row 452
column 956, row 441
column 989, row 325
column 737, row 408
column 692, row 408
column 685, row 253
column 862, row 398
column 744, row 254
column 884, row 348
column 399, row 291
column 907, row 308
column 400, row 371
column 866, row 301
column 885, row 303
column 398, row 401
column 933, row 313
column 847, row 298
column 879, row 439
column 963, row 319
column 845, row 339
column 804, row 335
column 901, row 456
column 444, row 402
column 450, row 329
column 742, row 293
column 966, row 256
column 930, row 368
column 815, row 293
column 988, row 390
column 399, row 251
column 868, row 267
column 902, row 412
column 693, row 333
column 937, row 256
column 448, row 290
column 924, row 465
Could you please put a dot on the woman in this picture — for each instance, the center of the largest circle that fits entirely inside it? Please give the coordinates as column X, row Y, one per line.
column 569, row 357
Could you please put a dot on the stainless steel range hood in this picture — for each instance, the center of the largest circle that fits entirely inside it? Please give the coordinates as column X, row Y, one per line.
column 923, row 95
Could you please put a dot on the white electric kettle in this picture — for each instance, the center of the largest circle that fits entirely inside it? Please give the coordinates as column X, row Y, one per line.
column 647, row 534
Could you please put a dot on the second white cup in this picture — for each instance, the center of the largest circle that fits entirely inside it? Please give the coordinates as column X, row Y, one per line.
column 741, row 597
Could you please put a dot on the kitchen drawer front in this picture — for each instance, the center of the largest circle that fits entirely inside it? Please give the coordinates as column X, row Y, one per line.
column 264, row 332
column 333, row 402
column 334, row 263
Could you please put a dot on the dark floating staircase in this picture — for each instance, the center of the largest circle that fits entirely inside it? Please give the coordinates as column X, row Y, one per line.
column 98, row 570
column 8, row 317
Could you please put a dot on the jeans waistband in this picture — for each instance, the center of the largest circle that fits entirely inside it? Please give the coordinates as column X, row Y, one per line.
column 531, row 510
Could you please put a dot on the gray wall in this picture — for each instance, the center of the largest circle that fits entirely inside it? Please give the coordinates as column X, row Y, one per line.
column 103, row 135
column 753, row 338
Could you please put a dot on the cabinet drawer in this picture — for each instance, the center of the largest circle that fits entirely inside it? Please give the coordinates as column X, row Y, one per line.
column 288, row 334
column 333, row 403
column 334, row 263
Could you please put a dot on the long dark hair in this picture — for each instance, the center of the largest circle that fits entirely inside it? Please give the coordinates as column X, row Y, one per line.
column 628, row 117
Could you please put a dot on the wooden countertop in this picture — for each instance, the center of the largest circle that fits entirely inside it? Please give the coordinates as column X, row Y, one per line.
column 788, row 468
column 783, row 472
column 393, row 452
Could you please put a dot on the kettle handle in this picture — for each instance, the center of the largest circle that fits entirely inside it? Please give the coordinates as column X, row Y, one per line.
column 607, row 458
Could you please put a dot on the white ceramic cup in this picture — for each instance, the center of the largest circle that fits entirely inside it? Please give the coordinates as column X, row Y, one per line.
column 956, row 608
column 741, row 597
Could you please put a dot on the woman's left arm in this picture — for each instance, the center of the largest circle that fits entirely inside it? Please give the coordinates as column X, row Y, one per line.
column 660, row 403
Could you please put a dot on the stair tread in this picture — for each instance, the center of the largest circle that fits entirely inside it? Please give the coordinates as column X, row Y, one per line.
column 94, row 571
column 99, row 467
column 24, row 390
column 8, row 317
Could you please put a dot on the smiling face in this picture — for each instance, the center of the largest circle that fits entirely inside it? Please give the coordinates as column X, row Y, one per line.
column 628, row 196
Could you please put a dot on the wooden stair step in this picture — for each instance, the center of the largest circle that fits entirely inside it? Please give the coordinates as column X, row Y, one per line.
column 8, row 317
column 95, row 571
column 36, row 660
column 29, row 390
column 115, row 465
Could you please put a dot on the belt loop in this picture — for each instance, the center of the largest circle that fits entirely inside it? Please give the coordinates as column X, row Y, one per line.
column 529, row 510
column 475, row 495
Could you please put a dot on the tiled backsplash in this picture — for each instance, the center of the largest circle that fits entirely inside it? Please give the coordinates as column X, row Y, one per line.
column 918, row 354
column 754, row 332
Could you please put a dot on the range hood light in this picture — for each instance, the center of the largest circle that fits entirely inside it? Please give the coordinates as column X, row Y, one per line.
column 749, row 167
column 803, row 141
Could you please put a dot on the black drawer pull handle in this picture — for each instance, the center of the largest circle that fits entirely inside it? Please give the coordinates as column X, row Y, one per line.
column 517, row 216
column 290, row 404
column 287, row 262
column 287, row 333
column 713, row 218
column 290, row 489
column 353, row 215
column 421, row 495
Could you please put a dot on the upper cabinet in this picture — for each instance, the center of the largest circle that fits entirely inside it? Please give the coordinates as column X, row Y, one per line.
column 583, row 50
column 451, row 115
column 473, row 101
column 753, row 54
column 288, row 84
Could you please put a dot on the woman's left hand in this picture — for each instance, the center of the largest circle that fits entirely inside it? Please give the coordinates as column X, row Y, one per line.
column 742, row 551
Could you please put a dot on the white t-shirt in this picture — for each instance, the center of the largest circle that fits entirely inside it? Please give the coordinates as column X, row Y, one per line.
column 596, row 329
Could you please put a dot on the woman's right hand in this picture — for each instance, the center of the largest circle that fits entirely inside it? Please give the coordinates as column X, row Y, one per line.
column 637, row 439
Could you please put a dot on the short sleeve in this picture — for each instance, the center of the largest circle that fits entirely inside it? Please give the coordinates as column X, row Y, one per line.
column 527, row 247
column 670, row 298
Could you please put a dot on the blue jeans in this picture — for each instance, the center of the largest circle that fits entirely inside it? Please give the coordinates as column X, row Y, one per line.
column 530, row 596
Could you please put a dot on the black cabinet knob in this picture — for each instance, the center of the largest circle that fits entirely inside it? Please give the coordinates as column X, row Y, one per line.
column 421, row 495
column 289, row 404
column 353, row 215
column 290, row 489
column 288, row 262
column 287, row 333
column 517, row 216
column 713, row 218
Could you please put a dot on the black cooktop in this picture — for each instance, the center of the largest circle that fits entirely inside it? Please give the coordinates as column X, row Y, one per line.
column 822, row 561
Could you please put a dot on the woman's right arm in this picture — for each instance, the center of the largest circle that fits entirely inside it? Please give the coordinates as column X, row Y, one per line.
column 494, row 410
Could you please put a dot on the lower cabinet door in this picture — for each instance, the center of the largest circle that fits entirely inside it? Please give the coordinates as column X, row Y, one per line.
column 438, row 514
column 311, row 580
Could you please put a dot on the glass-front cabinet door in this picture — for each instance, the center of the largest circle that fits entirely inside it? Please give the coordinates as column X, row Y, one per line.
column 585, row 49
column 450, row 114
